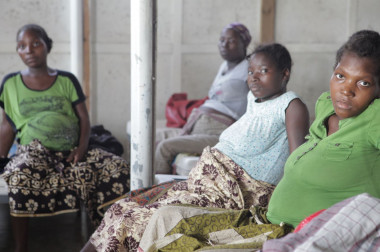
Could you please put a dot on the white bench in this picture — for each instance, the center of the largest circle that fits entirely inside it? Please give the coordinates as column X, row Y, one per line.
column 161, row 178
column 184, row 162
column 3, row 191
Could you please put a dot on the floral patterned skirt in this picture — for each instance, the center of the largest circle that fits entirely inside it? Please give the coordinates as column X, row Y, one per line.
column 41, row 182
column 216, row 181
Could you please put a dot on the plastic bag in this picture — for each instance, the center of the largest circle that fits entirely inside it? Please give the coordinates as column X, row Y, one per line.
column 178, row 109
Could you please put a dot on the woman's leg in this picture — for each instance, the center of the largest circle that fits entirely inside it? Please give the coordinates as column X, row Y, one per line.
column 20, row 233
column 167, row 150
column 106, row 179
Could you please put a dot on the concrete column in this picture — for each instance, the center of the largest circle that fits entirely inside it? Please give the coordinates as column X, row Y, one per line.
column 143, row 60
column 76, row 38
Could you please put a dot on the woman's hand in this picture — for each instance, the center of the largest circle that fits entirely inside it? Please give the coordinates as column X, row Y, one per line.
column 76, row 155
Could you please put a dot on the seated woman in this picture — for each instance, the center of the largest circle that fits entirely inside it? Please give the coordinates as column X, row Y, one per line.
column 340, row 160
column 241, row 170
column 227, row 102
column 52, row 169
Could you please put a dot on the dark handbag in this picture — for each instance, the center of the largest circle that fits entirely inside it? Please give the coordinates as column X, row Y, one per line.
column 178, row 109
column 103, row 139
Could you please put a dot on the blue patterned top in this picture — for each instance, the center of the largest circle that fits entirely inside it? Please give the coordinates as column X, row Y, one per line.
column 258, row 141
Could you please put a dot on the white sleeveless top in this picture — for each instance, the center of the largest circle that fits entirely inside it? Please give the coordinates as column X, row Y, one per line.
column 258, row 141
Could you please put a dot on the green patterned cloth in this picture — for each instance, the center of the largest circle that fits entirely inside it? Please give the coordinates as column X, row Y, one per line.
column 189, row 228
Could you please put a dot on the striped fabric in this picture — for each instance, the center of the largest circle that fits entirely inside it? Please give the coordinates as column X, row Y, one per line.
column 350, row 225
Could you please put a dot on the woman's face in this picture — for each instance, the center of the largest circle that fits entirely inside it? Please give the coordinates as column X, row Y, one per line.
column 231, row 46
column 31, row 49
column 353, row 85
column 264, row 79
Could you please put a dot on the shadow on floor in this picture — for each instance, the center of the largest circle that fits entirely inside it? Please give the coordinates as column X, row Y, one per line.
column 61, row 233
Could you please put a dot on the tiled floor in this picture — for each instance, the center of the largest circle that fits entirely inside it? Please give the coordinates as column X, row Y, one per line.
column 61, row 233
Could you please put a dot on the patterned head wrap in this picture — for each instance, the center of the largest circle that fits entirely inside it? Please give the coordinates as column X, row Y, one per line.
column 241, row 30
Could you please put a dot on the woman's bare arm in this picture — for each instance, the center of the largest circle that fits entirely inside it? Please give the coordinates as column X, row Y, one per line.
column 297, row 123
column 7, row 136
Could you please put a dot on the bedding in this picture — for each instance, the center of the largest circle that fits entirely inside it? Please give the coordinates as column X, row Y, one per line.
column 350, row 225
column 190, row 228
column 216, row 181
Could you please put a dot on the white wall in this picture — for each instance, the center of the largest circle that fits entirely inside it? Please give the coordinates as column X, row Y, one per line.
column 188, row 31
column 313, row 30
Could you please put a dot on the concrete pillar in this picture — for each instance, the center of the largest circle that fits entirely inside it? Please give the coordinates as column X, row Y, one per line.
column 76, row 38
column 143, row 61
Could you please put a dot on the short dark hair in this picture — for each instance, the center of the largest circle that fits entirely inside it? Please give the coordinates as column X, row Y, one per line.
column 39, row 31
column 278, row 54
column 365, row 44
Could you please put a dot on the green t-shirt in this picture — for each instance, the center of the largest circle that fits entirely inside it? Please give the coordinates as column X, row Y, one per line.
column 47, row 115
column 328, row 169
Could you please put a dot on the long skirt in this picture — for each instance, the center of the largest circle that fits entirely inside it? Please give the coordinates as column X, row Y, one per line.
column 41, row 182
column 216, row 181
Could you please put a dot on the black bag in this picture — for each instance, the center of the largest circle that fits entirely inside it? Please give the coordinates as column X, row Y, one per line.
column 103, row 139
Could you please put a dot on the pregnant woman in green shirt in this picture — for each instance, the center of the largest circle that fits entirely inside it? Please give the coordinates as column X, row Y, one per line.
column 53, row 169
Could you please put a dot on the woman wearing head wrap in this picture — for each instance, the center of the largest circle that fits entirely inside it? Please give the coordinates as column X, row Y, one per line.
column 227, row 102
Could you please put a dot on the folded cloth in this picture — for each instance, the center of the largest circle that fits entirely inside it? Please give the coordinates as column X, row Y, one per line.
column 186, row 227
